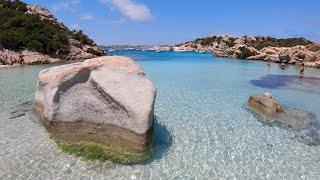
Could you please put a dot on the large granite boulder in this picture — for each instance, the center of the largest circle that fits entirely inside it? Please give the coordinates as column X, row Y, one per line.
column 106, row 101
column 264, row 104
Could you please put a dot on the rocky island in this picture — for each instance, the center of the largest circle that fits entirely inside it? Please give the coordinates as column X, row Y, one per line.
column 32, row 35
column 287, row 51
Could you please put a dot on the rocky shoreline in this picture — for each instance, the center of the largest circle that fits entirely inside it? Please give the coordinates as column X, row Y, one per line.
column 78, row 49
column 287, row 51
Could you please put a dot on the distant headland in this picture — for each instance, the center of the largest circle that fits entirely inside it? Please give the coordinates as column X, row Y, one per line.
column 287, row 51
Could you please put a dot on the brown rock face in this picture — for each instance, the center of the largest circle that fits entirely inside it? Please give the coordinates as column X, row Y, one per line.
column 44, row 14
column 8, row 57
column 238, row 51
column 264, row 104
column 30, row 58
column 285, row 56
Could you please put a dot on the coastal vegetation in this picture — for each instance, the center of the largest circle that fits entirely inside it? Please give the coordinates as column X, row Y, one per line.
column 81, row 37
column 19, row 30
column 259, row 42
column 262, row 42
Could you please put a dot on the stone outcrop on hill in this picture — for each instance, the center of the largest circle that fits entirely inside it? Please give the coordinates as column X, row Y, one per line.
column 44, row 14
column 106, row 101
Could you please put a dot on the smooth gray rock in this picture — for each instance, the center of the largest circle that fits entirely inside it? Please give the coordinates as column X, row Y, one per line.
column 106, row 100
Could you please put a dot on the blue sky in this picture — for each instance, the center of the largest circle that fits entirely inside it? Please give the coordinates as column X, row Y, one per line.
column 173, row 21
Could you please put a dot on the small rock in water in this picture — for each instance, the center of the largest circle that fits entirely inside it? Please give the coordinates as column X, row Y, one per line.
column 303, row 124
column 264, row 104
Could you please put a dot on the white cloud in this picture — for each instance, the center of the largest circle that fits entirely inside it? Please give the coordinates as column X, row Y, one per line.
column 67, row 5
column 133, row 10
column 87, row 17
column 109, row 22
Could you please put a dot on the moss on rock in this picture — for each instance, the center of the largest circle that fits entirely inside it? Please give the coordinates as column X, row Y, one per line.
column 92, row 152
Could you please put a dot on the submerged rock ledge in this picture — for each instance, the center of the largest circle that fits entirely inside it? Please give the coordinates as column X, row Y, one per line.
column 106, row 102
column 304, row 125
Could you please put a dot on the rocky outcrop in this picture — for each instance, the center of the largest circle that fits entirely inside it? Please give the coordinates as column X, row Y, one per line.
column 297, row 50
column 26, row 57
column 304, row 125
column 8, row 57
column 241, row 51
column 77, row 53
column 106, row 101
column 78, row 50
column 31, row 58
column 292, row 55
column 44, row 14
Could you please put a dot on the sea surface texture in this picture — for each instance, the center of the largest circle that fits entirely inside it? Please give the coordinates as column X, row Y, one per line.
column 203, row 128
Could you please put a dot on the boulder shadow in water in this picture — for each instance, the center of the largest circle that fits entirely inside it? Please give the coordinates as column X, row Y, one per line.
column 21, row 109
column 304, row 125
column 273, row 81
column 162, row 141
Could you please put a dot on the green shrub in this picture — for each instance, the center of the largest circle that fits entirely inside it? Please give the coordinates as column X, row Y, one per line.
column 35, row 45
column 80, row 36
column 9, row 40
column 262, row 42
column 15, row 4
column 206, row 41
column 259, row 43
column 24, row 31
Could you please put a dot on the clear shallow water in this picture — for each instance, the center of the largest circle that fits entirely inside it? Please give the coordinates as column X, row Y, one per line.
column 204, row 129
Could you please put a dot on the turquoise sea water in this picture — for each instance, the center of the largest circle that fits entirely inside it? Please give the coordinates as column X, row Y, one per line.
column 203, row 131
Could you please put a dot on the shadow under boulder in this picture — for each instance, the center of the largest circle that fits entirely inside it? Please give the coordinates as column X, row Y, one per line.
column 303, row 124
column 21, row 109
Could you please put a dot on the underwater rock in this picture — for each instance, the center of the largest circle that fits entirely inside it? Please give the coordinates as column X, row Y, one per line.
column 304, row 125
column 106, row 101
